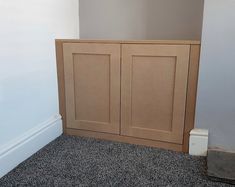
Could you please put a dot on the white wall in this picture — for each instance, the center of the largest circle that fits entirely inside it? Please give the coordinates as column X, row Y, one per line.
column 28, row 82
column 141, row 19
column 216, row 93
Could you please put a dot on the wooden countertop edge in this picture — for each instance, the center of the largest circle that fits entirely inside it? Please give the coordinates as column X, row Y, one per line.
column 178, row 42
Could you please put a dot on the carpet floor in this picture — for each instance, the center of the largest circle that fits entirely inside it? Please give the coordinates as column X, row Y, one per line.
column 74, row 161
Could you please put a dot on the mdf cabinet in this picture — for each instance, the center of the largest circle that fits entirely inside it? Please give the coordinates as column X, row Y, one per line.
column 140, row 92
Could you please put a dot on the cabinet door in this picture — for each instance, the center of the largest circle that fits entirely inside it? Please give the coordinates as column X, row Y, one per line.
column 153, row 91
column 92, row 86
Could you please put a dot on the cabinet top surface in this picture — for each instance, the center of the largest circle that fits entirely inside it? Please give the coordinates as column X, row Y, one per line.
column 178, row 42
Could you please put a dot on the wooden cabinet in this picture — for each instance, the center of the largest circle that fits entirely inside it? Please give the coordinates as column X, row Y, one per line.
column 129, row 91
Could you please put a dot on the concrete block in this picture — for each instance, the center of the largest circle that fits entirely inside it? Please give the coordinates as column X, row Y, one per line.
column 221, row 164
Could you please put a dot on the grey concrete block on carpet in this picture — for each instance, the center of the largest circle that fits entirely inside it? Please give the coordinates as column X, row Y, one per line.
column 221, row 164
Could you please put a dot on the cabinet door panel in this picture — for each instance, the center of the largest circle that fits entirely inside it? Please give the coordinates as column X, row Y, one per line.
column 92, row 86
column 153, row 93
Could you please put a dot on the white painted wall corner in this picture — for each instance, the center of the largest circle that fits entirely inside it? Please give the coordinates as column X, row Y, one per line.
column 198, row 142
column 21, row 148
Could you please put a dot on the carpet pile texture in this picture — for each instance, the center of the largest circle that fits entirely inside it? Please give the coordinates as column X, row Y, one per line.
column 76, row 161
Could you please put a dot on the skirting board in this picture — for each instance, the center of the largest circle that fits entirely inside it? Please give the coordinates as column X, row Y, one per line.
column 198, row 143
column 21, row 148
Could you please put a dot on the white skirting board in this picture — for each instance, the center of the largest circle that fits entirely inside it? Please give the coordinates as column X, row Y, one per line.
column 21, row 148
column 198, row 142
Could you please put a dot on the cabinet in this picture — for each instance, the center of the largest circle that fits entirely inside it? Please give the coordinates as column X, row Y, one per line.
column 130, row 91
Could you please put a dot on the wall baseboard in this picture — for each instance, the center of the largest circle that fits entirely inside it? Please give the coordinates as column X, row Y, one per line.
column 21, row 148
column 198, row 142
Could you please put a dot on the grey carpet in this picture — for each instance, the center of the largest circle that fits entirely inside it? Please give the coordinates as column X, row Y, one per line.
column 73, row 161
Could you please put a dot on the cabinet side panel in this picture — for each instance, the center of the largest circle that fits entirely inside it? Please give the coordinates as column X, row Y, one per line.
column 191, row 94
column 61, row 83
